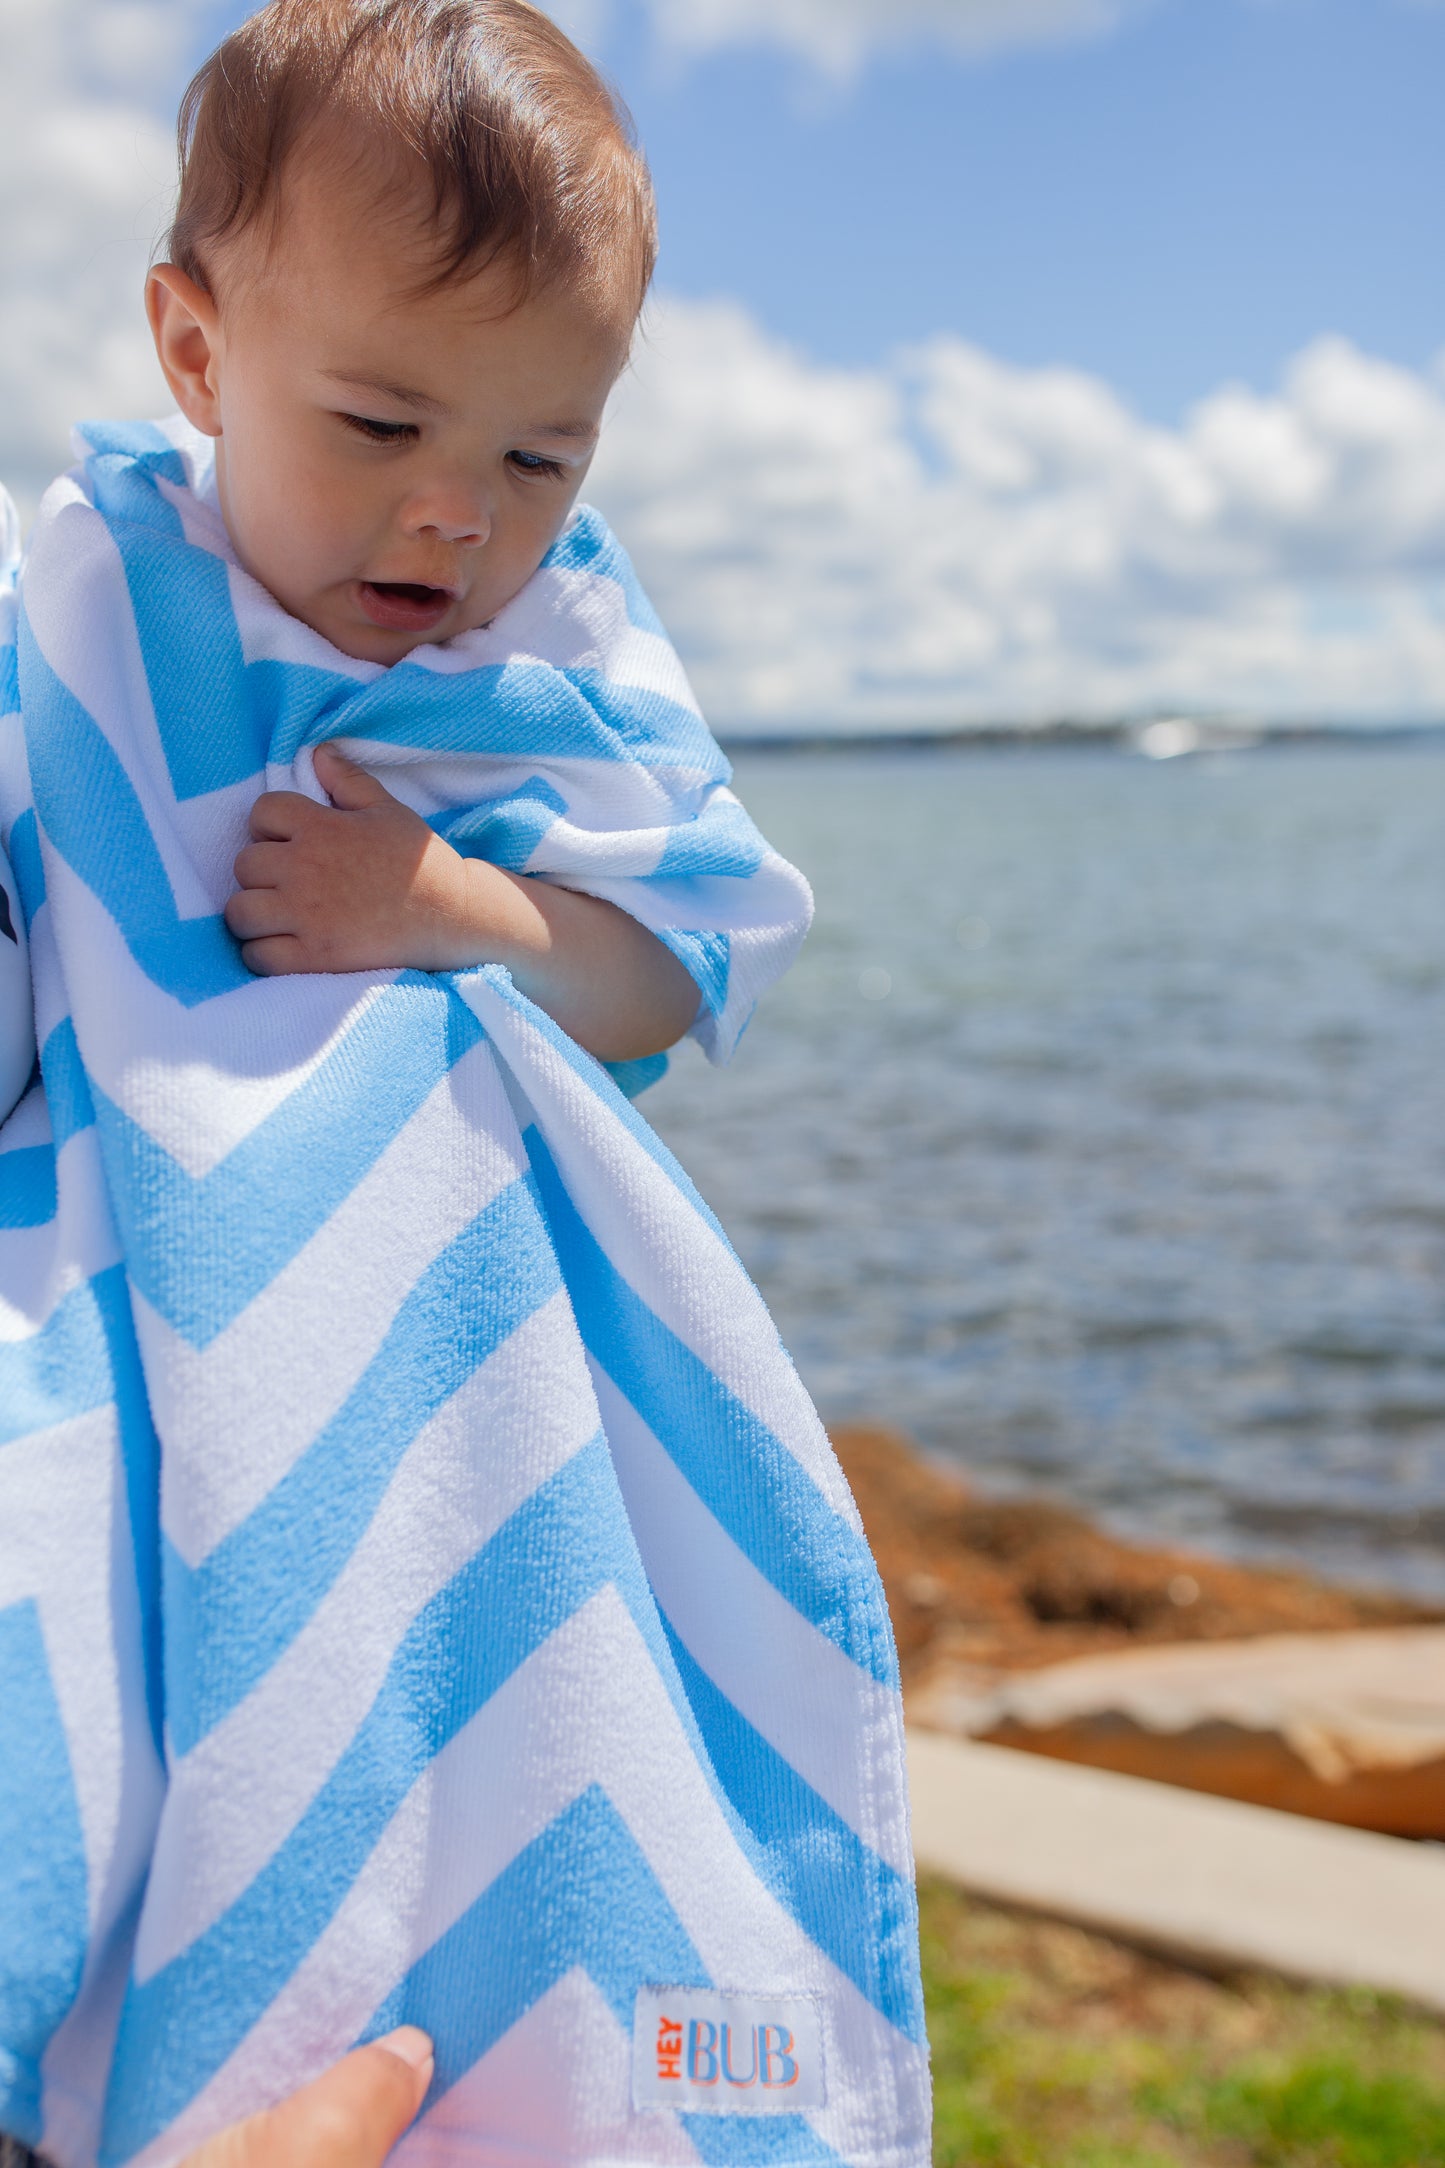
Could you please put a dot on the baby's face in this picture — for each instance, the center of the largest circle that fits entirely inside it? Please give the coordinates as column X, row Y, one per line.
column 392, row 468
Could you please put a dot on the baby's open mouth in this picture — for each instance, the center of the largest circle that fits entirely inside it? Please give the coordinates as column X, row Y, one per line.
column 404, row 605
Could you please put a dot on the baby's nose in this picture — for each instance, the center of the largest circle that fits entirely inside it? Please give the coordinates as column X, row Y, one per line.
column 463, row 521
column 466, row 534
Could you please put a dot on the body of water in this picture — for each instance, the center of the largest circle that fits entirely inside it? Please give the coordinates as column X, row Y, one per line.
column 1098, row 1138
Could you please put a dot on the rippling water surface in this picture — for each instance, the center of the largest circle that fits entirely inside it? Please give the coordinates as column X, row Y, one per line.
column 1098, row 1138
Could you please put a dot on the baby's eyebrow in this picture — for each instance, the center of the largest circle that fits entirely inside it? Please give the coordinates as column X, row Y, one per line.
column 585, row 432
column 403, row 394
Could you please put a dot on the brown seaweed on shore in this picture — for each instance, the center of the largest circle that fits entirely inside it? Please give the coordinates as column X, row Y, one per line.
column 1012, row 1583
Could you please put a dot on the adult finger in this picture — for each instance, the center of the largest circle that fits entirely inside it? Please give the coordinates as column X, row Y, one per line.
column 346, row 784
column 350, row 2118
column 277, row 814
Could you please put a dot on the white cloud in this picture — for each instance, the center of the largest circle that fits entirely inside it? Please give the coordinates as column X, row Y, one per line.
column 85, row 175
column 948, row 538
column 836, row 35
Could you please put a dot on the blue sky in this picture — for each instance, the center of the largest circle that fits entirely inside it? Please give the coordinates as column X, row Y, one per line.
column 1012, row 359
column 1190, row 198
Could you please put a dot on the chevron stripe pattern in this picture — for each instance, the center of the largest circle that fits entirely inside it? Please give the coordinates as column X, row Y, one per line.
column 426, row 1592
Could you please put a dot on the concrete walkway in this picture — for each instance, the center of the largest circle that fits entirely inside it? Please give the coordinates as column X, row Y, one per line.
column 1218, row 1884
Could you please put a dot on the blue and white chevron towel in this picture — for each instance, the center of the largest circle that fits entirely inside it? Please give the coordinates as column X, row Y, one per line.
column 426, row 1592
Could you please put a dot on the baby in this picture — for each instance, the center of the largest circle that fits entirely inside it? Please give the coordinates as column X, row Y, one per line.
column 426, row 1593
column 404, row 368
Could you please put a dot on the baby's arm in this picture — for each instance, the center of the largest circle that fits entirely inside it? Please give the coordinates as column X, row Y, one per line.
column 365, row 885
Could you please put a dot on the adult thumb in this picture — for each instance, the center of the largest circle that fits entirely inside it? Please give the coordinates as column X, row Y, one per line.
column 349, row 2118
column 346, row 784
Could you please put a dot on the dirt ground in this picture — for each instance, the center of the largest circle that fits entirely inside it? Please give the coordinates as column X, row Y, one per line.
column 1014, row 1583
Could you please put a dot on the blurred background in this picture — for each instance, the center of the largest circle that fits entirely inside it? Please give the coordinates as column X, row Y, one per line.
column 1037, row 450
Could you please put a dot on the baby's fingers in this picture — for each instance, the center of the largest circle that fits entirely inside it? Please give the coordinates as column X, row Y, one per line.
column 261, row 865
column 259, row 920
column 276, row 956
column 278, row 815
column 351, row 787
column 254, row 913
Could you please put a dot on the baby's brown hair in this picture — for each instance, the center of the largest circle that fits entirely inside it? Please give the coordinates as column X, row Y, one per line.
column 529, row 156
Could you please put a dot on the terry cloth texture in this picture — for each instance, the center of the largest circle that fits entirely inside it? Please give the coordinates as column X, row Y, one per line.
column 426, row 1592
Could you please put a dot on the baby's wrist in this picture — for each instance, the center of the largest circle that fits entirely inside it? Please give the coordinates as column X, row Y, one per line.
column 483, row 916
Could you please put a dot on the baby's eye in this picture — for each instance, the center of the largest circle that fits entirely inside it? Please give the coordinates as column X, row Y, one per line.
column 534, row 463
column 380, row 432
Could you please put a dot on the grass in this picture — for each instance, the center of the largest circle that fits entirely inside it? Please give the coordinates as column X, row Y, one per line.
column 1053, row 2048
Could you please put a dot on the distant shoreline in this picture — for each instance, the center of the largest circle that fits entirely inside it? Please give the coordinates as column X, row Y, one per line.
column 1215, row 736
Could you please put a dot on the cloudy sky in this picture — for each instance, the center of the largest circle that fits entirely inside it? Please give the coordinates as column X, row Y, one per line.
column 1012, row 359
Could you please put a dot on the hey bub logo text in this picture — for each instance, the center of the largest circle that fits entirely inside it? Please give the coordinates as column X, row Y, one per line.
column 727, row 2054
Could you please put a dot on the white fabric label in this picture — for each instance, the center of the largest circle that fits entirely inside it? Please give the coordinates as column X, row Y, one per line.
column 701, row 2049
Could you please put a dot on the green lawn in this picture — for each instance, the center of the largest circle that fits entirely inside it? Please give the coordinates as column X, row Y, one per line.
column 1057, row 2049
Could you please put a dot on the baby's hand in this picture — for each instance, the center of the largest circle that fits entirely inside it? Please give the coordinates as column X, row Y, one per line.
column 363, row 884
column 360, row 885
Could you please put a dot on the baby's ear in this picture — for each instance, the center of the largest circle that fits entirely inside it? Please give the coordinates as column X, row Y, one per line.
column 186, row 327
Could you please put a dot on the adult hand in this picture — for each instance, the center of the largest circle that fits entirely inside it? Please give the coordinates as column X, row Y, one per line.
column 350, row 2118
